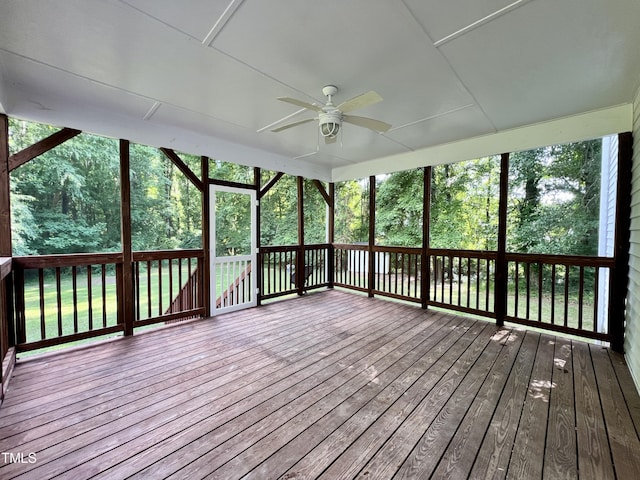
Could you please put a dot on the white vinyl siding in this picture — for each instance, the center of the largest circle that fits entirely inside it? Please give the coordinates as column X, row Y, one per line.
column 632, row 337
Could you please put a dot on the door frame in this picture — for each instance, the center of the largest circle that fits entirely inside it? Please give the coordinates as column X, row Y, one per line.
column 251, row 257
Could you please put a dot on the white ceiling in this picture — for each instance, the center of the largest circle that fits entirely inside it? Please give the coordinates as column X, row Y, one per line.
column 202, row 76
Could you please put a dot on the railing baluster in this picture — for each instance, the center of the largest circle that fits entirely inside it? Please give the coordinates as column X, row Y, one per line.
column 517, row 288
column 59, row 300
column 553, row 293
column 89, row 298
column 104, row 294
column 478, row 270
column 159, row 287
column 43, row 328
column 149, row 288
column 540, row 280
column 74, row 276
column 580, row 297
column 527, row 272
column 566, row 294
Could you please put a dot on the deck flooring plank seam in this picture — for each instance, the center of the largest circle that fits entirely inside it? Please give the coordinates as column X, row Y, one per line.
column 624, row 443
column 147, row 342
column 154, row 411
column 259, row 452
column 150, row 368
column 286, row 456
column 471, row 431
column 117, row 361
column 356, row 455
column 594, row 455
column 627, row 386
column 560, row 459
column 417, row 378
column 365, row 325
column 148, row 452
column 312, row 390
column 398, row 446
column 493, row 457
column 528, row 451
column 327, row 385
column 427, row 452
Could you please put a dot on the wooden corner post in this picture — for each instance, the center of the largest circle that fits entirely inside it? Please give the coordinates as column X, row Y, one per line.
column 299, row 274
column 372, row 236
column 5, row 201
column 125, row 290
column 426, row 219
column 206, row 238
column 500, row 286
column 331, row 234
column 257, row 181
column 619, row 277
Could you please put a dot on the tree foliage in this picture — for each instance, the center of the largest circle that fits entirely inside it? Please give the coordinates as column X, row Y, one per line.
column 68, row 200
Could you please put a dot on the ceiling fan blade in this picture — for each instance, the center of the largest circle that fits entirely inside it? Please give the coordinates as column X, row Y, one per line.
column 295, row 124
column 365, row 122
column 300, row 103
column 360, row 101
column 329, row 140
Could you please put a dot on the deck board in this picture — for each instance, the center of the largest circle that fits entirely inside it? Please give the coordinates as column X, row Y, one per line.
column 329, row 385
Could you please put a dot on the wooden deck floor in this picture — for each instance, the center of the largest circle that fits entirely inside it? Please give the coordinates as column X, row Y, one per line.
column 330, row 385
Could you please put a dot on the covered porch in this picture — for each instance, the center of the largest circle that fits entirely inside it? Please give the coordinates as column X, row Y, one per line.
column 328, row 385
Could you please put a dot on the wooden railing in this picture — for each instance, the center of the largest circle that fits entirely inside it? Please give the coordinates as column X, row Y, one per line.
column 351, row 266
column 168, row 285
column 67, row 298
column 397, row 272
column 559, row 293
column 279, row 276
column 463, row 280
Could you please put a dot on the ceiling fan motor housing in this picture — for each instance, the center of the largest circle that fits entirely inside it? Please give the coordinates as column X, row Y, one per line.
column 330, row 123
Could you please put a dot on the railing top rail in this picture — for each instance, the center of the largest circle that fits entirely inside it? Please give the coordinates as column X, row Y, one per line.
column 167, row 254
column 455, row 252
column 66, row 260
column 395, row 249
column 317, row 246
column 577, row 260
column 279, row 248
column 350, row 246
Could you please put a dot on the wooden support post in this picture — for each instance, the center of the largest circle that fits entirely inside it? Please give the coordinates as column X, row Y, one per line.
column 5, row 200
column 205, row 289
column 126, row 300
column 425, row 278
column 331, row 234
column 300, row 255
column 257, row 174
column 7, row 339
column 500, row 281
column 372, row 235
column 619, row 277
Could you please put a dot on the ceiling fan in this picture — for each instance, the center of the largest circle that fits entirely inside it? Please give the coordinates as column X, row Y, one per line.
column 331, row 117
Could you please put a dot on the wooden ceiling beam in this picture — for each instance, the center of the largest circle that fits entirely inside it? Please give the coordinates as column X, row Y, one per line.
column 183, row 167
column 270, row 184
column 43, row 146
column 323, row 192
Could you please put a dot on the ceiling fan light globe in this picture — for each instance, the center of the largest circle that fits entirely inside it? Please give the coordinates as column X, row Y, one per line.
column 329, row 129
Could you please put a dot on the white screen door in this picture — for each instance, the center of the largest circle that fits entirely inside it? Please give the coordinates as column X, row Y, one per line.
column 233, row 248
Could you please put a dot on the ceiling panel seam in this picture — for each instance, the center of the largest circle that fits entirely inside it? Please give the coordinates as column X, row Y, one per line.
column 453, row 70
column 479, row 23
